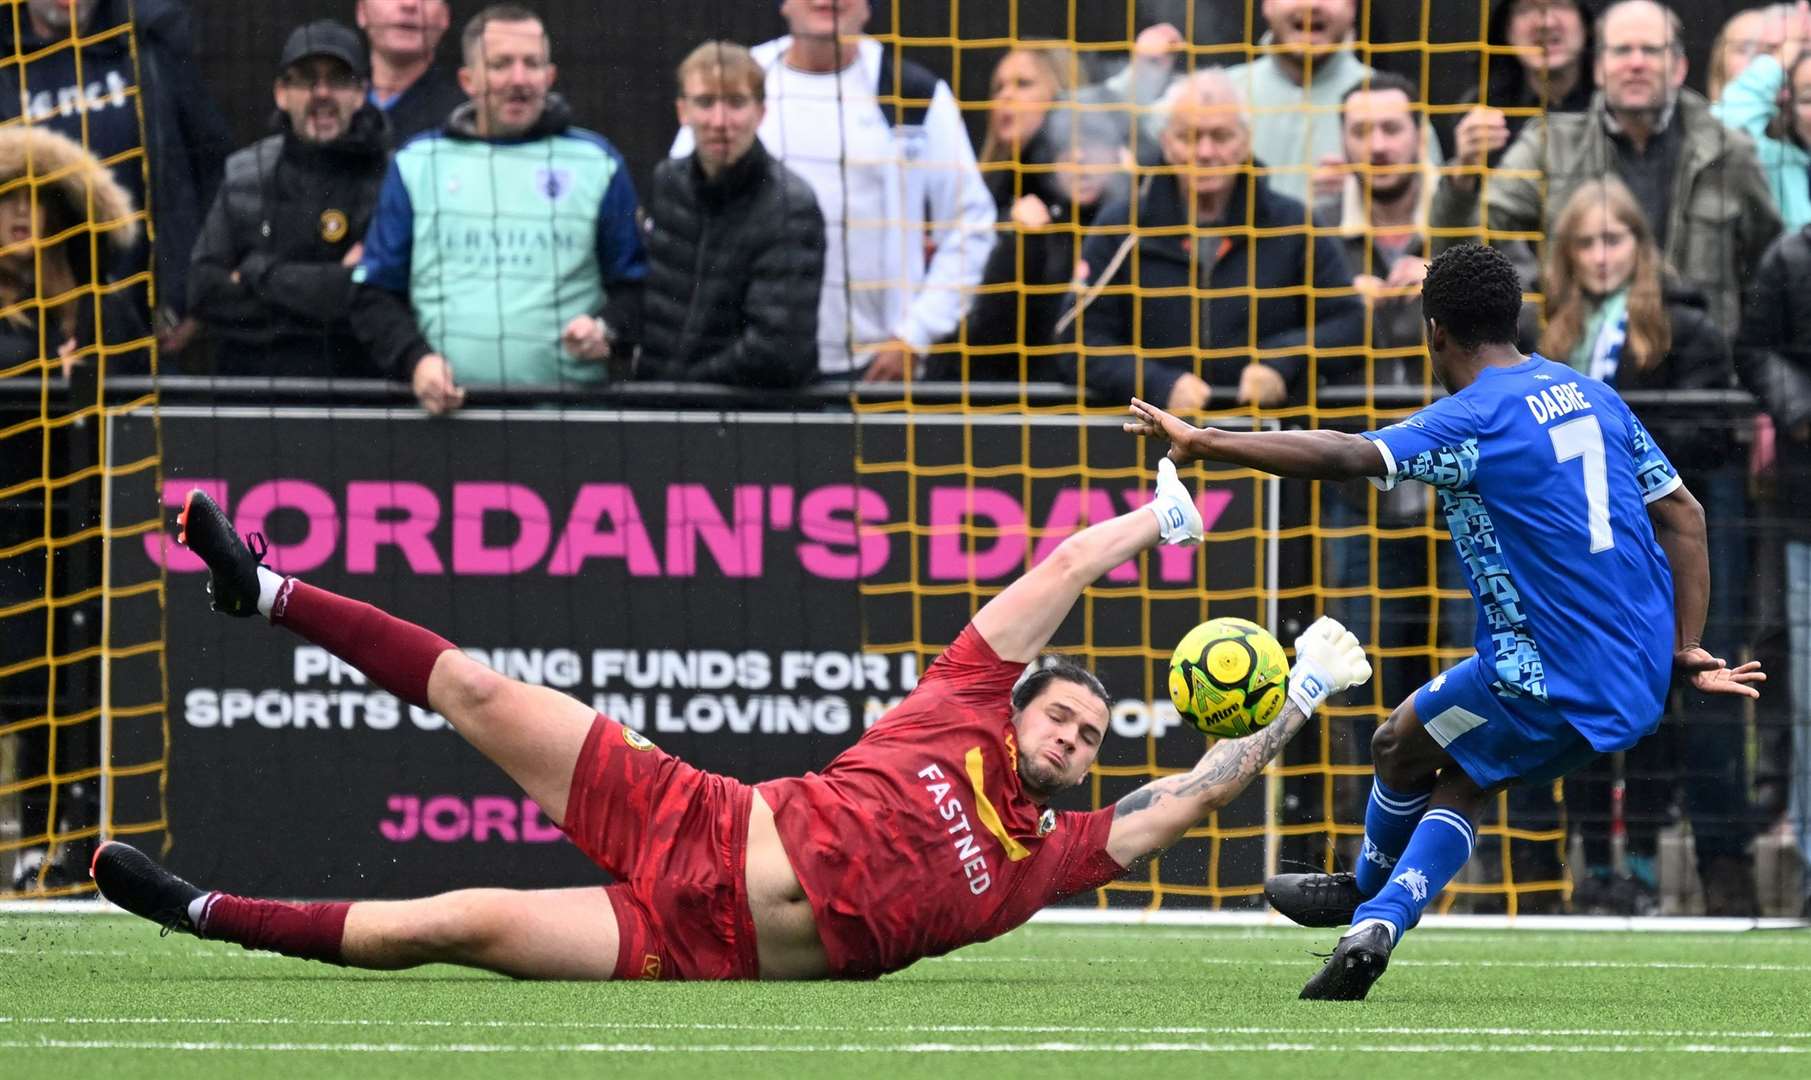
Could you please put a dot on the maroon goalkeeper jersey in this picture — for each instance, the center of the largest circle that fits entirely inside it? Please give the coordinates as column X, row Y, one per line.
column 919, row 838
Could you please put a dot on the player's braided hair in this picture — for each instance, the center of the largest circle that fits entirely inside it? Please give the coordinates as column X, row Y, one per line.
column 1474, row 292
column 1055, row 667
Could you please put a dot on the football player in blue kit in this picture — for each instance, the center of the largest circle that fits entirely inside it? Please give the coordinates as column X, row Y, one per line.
column 1585, row 553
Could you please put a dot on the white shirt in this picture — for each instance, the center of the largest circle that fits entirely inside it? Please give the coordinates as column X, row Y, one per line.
column 885, row 191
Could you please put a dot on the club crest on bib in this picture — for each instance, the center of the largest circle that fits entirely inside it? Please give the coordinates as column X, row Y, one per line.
column 636, row 740
column 334, row 225
column 1047, row 823
column 552, row 183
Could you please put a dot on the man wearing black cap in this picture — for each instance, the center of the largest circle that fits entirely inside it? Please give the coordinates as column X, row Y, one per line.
column 272, row 272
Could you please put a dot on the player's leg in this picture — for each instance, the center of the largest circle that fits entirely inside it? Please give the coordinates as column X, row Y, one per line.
column 1418, row 825
column 1412, row 852
column 539, row 934
column 1485, row 743
column 534, row 733
column 1018, row 623
column 544, row 934
column 1439, row 848
column 1407, row 763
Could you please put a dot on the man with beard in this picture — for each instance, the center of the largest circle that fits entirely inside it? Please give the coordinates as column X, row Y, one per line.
column 272, row 271
column 416, row 93
column 1380, row 209
column 531, row 275
column 931, row 832
column 1705, row 195
column 1293, row 87
column 87, row 94
column 1380, row 219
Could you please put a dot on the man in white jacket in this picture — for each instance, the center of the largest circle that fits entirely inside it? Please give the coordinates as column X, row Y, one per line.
column 908, row 222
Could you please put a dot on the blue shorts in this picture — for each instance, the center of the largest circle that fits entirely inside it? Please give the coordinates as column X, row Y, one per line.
column 1495, row 739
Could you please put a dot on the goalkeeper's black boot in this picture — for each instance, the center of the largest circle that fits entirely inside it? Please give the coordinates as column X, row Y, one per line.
column 1357, row 962
column 1314, row 899
column 232, row 565
column 127, row 877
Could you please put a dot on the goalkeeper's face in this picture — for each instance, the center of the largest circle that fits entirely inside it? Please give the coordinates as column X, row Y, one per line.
column 1058, row 735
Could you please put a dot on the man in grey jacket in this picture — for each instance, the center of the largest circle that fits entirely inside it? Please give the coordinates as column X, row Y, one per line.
column 1704, row 192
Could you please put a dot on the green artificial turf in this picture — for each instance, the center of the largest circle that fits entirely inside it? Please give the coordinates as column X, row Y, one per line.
column 95, row 996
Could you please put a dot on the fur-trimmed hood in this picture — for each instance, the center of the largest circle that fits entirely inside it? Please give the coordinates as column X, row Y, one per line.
column 69, row 173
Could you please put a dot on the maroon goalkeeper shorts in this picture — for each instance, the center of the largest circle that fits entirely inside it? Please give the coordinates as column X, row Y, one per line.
column 676, row 840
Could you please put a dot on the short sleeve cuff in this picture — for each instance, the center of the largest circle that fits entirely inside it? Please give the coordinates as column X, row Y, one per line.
column 1663, row 490
column 1389, row 478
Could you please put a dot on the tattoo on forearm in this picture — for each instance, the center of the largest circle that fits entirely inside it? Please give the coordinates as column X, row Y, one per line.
column 1223, row 770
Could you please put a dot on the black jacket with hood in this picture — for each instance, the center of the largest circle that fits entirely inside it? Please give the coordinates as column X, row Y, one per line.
column 186, row 140
column 1773, row 360
column 38, row 151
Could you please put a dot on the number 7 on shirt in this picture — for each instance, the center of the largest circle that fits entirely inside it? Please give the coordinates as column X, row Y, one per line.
column 1583, row 438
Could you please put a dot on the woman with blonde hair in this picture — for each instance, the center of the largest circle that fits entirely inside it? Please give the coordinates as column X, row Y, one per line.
column 1615, row 313
column 1049, row 165
column 1613, row 310
column 1027, row 82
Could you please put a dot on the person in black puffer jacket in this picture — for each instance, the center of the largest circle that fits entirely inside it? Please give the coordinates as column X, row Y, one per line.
column 735, row 242
column 1773, row 360
column 272, row 271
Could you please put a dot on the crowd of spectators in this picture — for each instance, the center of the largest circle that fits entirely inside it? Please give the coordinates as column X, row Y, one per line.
column 1202, row 236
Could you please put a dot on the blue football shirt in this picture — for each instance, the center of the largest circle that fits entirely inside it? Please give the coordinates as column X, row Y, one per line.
column 1544, row 476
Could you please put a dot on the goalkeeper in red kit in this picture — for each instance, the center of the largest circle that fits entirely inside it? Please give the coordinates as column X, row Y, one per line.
column 928, row 834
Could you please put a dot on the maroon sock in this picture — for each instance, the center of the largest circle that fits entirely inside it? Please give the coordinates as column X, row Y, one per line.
column 310, row 931
column 396, row 655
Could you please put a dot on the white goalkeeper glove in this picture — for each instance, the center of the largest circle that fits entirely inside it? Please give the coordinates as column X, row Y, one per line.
column 1177, row 517
column 1328, row 659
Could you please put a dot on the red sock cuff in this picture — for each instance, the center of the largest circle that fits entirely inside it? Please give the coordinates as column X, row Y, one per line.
column 308, row 931
column 395, row 654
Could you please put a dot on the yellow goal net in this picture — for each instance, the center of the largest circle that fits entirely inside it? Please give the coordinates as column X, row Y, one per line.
column 1065, row 105
column 82, row 736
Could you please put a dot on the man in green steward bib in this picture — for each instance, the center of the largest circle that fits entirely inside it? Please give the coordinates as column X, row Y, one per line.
column 504, row 249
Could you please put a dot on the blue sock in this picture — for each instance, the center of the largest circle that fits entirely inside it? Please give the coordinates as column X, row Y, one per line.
column 1390, row 819
column 1435, row 855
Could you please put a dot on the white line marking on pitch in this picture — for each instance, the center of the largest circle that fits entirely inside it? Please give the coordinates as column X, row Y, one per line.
column 1142, row 961
column 1012, row 1029
column 1227, row 961
column 1519, row 938
column 894, row 1048
column 1636, row 965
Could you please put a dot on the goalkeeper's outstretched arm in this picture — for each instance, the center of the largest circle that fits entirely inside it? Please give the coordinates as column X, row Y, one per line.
column 1328, row 659
column 1307, row 455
